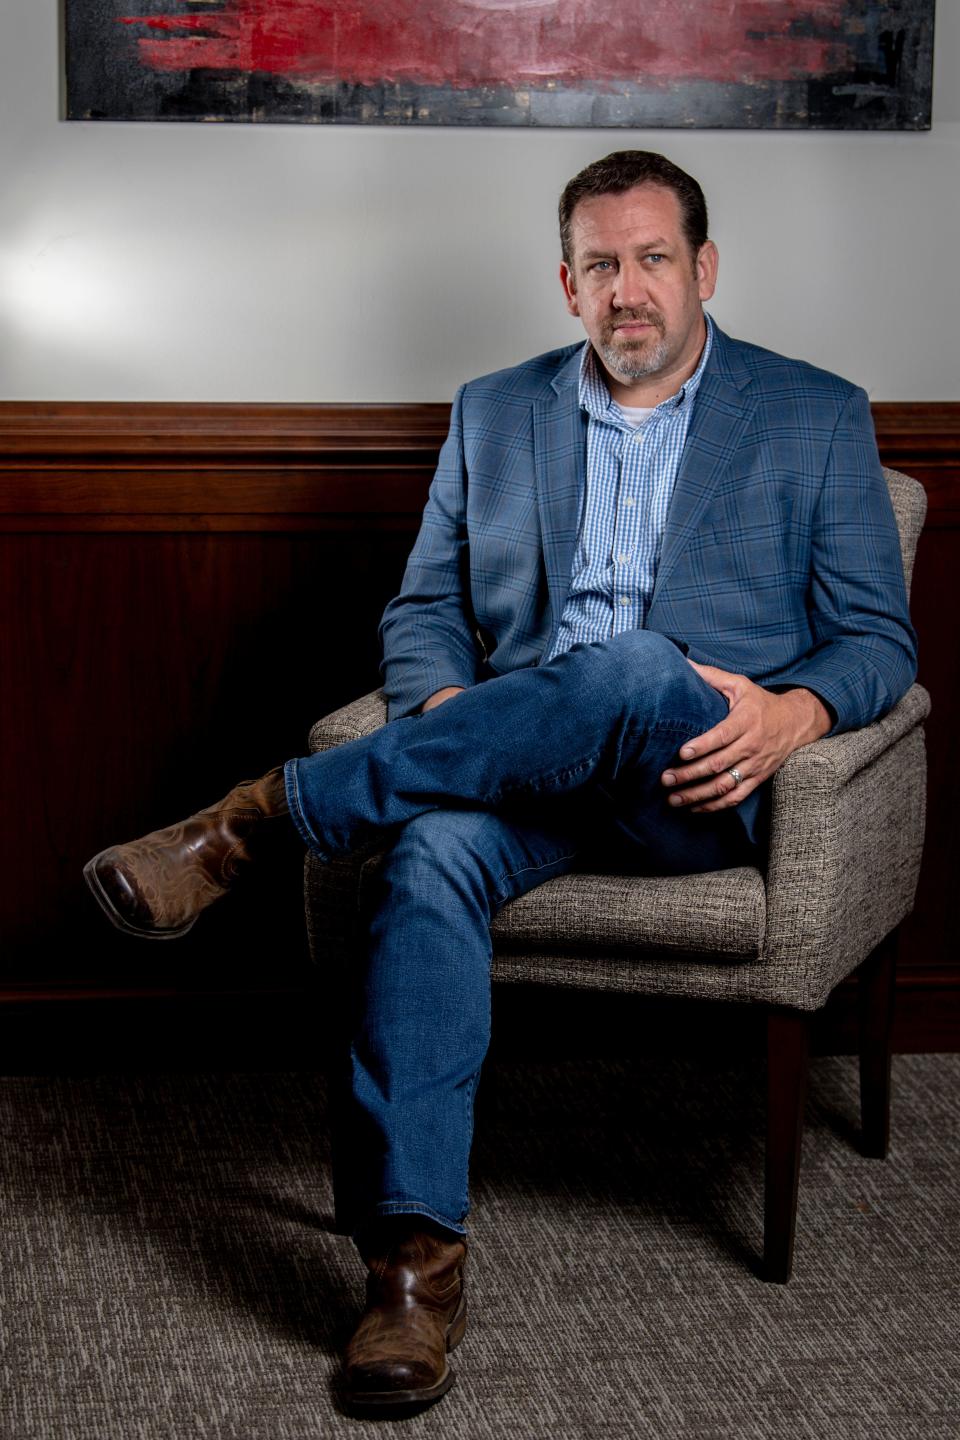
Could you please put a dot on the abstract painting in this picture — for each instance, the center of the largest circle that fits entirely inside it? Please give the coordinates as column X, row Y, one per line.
column 742, row 64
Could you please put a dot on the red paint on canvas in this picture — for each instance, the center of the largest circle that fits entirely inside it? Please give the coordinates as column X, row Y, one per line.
column 512, row 43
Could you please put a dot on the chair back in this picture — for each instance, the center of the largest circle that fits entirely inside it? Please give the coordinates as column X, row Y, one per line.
column 910, row 508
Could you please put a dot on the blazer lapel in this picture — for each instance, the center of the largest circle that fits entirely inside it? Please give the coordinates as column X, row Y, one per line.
column 559, row 441
column 721, row 413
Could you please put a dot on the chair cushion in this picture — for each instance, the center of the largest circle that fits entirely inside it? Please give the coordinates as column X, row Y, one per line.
column 720, row 913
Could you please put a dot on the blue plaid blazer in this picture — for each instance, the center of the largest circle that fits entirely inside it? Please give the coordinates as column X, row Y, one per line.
column 780, row 558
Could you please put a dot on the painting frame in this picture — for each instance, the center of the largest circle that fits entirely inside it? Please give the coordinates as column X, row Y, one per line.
column 787, row 64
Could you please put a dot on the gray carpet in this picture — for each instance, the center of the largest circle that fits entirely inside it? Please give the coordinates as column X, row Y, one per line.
column 169, row 1268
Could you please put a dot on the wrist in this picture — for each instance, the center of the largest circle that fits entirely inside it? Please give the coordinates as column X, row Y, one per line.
column 438, row 697
column 811, row 716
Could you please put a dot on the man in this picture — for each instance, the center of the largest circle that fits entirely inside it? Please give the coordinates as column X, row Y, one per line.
column 651, row 566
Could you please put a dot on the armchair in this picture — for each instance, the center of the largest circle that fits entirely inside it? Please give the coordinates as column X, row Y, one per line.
column 847, row 823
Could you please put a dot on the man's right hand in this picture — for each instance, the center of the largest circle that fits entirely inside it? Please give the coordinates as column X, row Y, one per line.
column 438, row 697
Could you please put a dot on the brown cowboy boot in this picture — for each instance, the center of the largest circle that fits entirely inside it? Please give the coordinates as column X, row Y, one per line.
column 416, row 1312
column 156, row 886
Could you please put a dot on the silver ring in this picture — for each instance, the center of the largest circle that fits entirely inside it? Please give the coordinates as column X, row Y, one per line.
column 737, row 777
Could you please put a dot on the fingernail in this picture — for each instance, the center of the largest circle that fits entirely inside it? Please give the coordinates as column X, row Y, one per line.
column 675, row 800
column 668, row 778
column 687, row 752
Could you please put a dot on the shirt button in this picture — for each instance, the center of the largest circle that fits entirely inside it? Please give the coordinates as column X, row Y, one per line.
column 624, row 600
column 621, row 558
column 629, row 500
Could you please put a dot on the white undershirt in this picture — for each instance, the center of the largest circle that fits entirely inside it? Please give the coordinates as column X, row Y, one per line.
column 636, row 416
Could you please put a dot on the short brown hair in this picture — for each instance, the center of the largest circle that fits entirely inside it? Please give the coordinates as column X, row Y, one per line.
column 621, row 171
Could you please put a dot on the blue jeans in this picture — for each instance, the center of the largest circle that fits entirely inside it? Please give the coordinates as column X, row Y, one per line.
column 519, row 779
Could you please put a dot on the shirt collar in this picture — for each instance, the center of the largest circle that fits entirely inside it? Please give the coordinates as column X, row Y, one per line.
column 595, row 397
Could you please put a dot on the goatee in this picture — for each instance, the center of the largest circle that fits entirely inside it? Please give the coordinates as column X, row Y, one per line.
column 635, row 359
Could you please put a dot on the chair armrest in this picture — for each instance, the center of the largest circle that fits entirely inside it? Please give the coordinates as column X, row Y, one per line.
column 360, row 717
column 836, row 759
column 846, row 838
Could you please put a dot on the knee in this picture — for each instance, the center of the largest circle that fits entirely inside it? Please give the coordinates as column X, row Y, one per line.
column 639, row 667
column 439, row 850
column 647, row 647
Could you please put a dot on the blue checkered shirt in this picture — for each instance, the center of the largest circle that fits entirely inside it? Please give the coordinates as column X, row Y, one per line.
column 630, row 476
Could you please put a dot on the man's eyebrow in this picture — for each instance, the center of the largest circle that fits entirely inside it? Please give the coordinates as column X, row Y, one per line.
column 658, row 244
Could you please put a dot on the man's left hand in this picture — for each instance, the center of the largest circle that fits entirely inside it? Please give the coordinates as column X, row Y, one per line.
column 758, row 734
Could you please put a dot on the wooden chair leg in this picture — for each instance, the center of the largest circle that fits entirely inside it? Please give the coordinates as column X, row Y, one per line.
column 877, row 978
column 788, row 1049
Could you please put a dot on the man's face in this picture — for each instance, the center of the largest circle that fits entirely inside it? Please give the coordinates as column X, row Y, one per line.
column 637, row 287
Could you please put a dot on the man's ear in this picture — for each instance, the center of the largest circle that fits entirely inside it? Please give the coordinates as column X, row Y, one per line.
column 569, row 288
column 708, row 261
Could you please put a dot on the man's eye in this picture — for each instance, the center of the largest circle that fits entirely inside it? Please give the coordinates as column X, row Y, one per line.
column 601, row 264
column 656, row 257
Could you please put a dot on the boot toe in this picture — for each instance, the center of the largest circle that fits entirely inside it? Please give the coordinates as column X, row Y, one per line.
column 387, row 1376
column 121, row 898
column 398, row 1388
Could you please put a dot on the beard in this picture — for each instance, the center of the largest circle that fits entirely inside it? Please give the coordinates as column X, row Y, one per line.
column 635, row 359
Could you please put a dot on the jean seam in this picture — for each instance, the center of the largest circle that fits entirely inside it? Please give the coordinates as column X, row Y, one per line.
column 469, row 1092
column 528, row 869
column 659, row 727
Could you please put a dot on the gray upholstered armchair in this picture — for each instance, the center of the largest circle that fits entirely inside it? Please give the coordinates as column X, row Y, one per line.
column 846, row 837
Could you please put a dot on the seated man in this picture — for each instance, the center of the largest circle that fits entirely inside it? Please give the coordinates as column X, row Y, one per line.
column 651, row 566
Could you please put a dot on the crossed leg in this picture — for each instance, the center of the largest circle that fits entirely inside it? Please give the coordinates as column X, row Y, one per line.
column 501, row 788
column 609, row 716
column 478, row 801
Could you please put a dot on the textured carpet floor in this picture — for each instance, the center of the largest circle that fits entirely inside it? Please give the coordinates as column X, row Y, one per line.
column 168, row 1267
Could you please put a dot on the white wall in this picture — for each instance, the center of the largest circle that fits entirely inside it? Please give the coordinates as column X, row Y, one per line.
column 312, row 263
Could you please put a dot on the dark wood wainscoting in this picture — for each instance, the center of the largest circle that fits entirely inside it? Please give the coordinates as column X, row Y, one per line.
column 184, row 589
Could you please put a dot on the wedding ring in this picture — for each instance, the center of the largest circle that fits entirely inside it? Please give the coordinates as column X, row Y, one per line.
column 737, row 777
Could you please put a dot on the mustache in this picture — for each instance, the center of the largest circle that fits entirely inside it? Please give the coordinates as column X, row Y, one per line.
column 637, row 317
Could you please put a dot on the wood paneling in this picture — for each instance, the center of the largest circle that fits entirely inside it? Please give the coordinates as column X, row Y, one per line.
column 185, row 588
column 924, row 441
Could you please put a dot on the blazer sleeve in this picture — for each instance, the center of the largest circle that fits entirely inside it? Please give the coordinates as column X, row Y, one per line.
column 428, row 633
column 864, row 656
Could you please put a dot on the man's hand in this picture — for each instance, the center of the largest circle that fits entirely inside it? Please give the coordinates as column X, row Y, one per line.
column 438, row 697
column 761, row 730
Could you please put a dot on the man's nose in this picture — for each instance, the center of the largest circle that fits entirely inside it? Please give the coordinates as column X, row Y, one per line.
column 631, row 290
